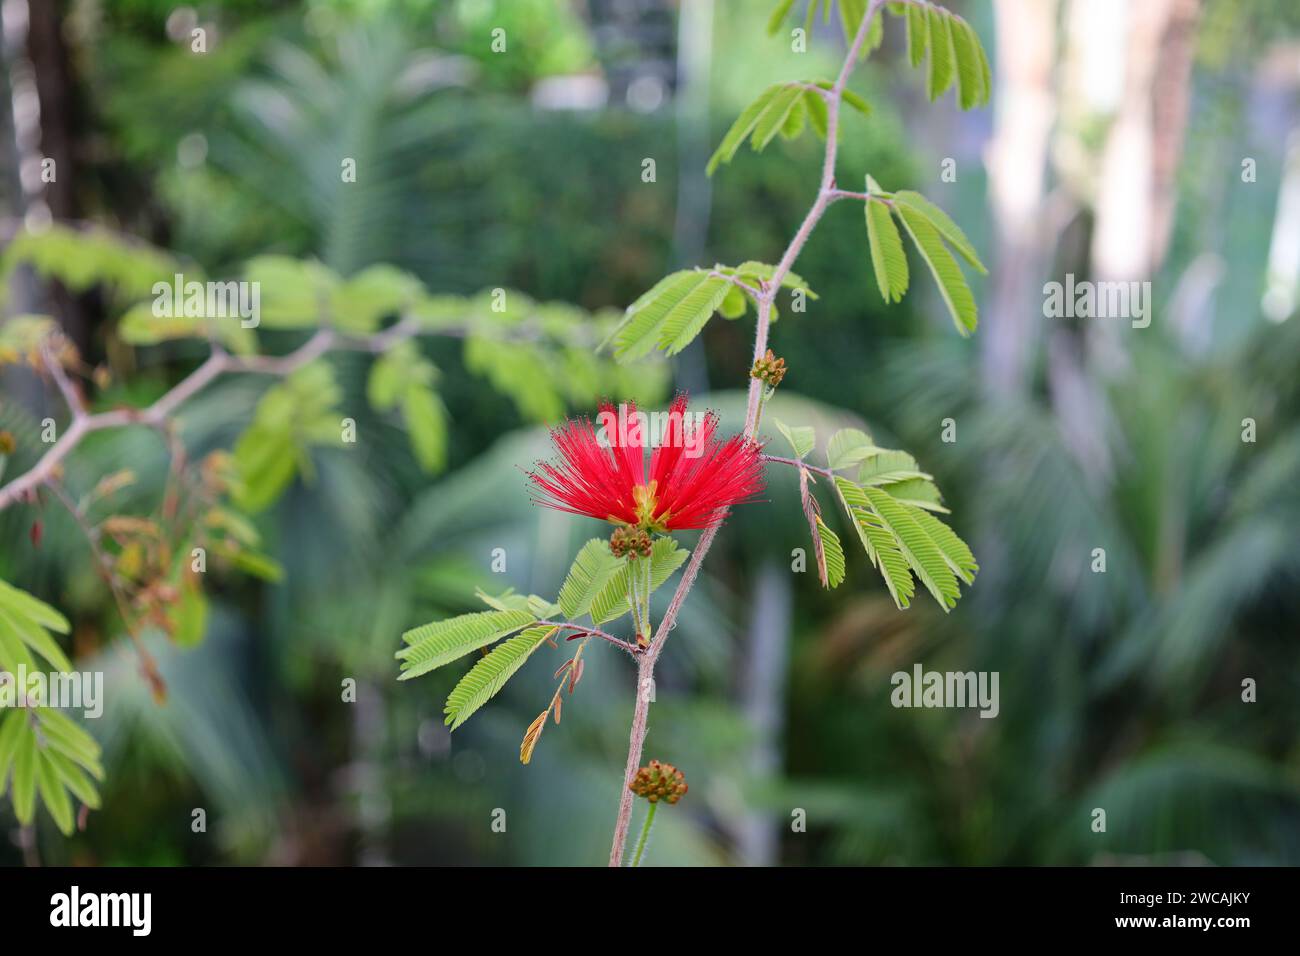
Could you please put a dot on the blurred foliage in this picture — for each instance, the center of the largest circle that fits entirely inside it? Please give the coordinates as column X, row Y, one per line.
column 1120, row 690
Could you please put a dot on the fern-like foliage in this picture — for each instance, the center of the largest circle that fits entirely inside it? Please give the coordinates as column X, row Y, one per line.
column 956, row 54
column 932, row 231
column 442, row 642
column 596, row 586
column 784, row 108
column 891, row 504
column 591, row 572
column 25, row 626
column 675, row 310
column 887, row 256
column 48, row 753
column 611, row 603
column 490, row 674
column 832, row 562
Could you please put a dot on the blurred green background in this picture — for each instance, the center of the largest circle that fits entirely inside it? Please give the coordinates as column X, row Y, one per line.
column 1127, row 140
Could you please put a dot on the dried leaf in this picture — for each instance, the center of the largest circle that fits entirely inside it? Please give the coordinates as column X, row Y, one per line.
column 532, row 735
column 115, row 482
column 811, row 511
column 575, row 675
column 129, row 524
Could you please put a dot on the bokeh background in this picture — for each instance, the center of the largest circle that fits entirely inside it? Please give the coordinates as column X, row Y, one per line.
column 1128, row 139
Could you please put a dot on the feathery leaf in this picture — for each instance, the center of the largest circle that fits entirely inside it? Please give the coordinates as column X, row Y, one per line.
column 887, row 256
column 490, row 673
column 947, row 274
column 441, row 642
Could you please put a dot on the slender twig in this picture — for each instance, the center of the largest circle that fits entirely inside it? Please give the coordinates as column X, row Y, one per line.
column 104, row 565
column 797, row 463
column 66, row 388
column 218, row 362
column 594, row 632
column 838, row 194
column 826, row 194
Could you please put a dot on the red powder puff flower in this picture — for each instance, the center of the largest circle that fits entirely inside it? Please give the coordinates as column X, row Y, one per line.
column 693, row 477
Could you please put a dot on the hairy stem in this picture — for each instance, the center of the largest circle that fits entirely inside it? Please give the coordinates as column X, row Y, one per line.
column 640, row 715
column 795, row 462
column 826, row 194
column 645, row 834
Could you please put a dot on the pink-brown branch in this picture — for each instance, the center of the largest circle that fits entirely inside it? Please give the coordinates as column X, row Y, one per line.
column 826, row 194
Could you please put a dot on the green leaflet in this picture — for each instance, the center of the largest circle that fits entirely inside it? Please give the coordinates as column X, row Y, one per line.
column 923, row 555
column 778, row 15
column 851, row 14
column 33, row 608
column 362, row 301
column 733, row 304
column 889, row 558
column 833, row 552
column 426, row 425
column 918, row 34
column 848, row 447
column 954, row 549
column 941, row 66
column 24, row 783
column 49, row 755
column 947, row 274
column 783, row 108
column 512, row 369
column 956, row 54
column 403, row 376
column 75, row 779
column 590, row 573
column 902, row 539
column 11, row 725
column 64, row 735
column 942, row 223
column 639, row 333
column 801, row 438
column 970, row 71
column 431, row 646
column 773, row 118
column 291, row 418
column 490, row 673
column 689, row 314
column 294, row 293
column 887, row 256
column 139, row 326
column 743, row 127
column 23, row 623
column 611, row 602
column 672, row 313
column 54, row 796
column 920, row 493
column 885, row 466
